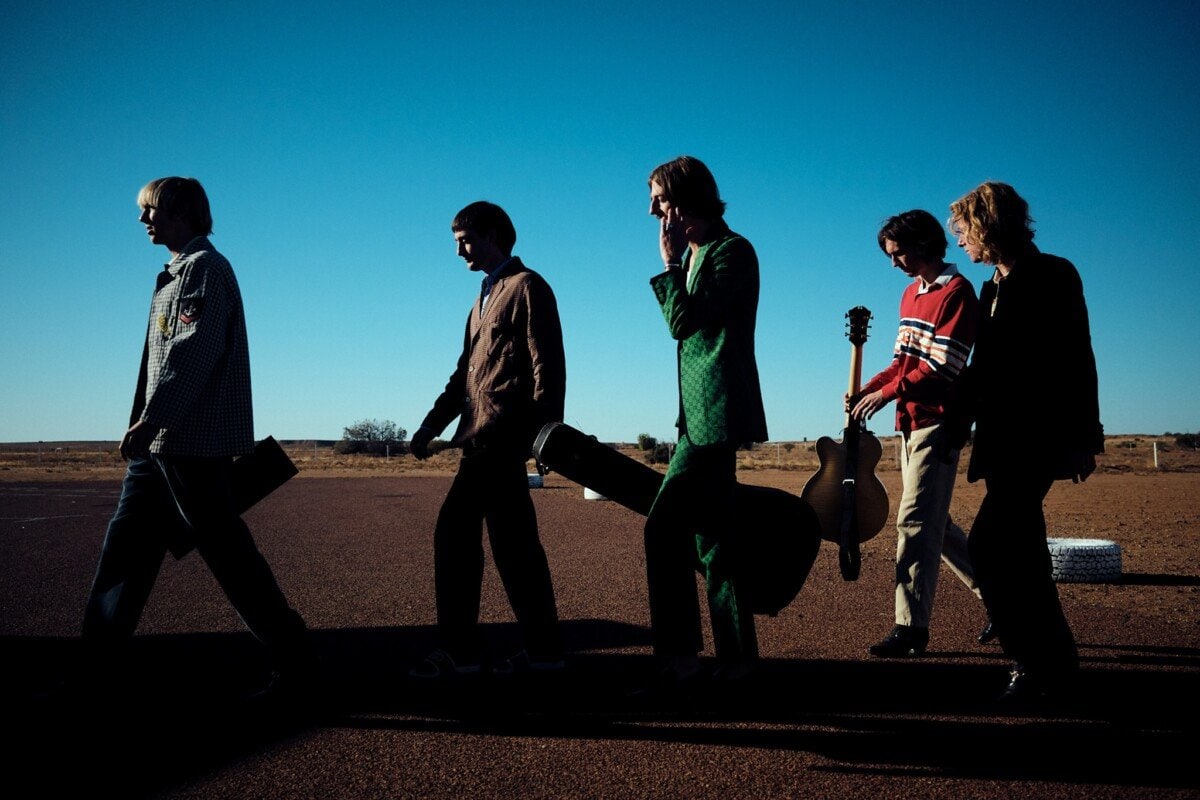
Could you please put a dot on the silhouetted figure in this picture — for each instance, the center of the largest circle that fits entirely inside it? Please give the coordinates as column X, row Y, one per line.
column 708, row 293
column 1031, row 389
column 509, row 382
column 191, row 415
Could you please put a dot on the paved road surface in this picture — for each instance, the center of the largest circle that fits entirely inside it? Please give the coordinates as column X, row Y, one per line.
column 354, row 555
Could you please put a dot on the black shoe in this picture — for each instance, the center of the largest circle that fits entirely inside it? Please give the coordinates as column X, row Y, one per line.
column 1023, row 688
column 902, row 642
column 988, row 633
column 289, row 690
column 676, row 681
column 440, row 665
column 525, row 664
column 1054, row 682
column 736, row 674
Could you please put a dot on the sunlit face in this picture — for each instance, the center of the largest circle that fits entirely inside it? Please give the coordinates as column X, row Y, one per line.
column 910, row 263
column 165, row 229
column 972, row 248
column 481, row 253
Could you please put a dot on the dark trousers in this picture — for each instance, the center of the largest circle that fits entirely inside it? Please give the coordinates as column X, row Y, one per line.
column 495, row 488
column 1008, row 550
column 180, row 503
column 695, row 516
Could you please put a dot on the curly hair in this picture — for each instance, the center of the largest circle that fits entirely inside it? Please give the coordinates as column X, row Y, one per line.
column 996, row 218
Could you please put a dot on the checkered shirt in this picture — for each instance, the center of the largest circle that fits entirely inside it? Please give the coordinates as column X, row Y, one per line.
column 197, row 371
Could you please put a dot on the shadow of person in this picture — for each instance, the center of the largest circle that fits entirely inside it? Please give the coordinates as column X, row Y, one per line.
column 180, row 711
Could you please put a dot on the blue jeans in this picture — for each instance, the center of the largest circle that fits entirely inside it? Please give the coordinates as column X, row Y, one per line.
column 177, row 504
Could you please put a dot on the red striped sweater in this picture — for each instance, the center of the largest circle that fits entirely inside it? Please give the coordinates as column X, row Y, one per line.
column 937, row 330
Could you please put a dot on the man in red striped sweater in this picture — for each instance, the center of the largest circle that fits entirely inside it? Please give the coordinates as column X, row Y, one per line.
column 937, row 329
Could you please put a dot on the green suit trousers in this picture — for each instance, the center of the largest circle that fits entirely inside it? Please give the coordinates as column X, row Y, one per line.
column 694, row 517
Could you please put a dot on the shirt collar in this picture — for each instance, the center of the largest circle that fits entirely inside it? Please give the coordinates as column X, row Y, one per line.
column 175, row 265
column 948, row 272
column 493, row 276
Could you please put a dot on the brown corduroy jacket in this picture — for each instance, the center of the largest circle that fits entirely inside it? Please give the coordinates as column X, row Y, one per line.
column 511, row 378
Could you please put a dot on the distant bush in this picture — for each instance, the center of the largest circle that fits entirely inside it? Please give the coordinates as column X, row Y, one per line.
column 372, row 437
column 661, row 454
column 646, row 442
column 1191, row 440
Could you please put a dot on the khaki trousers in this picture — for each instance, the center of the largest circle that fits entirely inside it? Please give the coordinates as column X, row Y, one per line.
column 925, row 532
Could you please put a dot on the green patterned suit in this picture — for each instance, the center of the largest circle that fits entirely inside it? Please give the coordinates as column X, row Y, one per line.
column 710, row 306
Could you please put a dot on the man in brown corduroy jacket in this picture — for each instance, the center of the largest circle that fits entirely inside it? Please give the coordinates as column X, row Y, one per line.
column 509, row 382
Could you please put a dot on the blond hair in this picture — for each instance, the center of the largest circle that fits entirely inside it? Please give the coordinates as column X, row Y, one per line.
column 996, row 218
column 182, row 198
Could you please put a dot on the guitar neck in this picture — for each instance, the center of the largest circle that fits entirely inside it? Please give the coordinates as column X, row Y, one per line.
column 860, row 320
column 855, row 376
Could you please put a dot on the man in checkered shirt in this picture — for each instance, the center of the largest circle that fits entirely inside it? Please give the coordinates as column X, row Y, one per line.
column 191, row 415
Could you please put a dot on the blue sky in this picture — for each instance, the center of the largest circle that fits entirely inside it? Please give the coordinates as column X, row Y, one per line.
column 337, row 141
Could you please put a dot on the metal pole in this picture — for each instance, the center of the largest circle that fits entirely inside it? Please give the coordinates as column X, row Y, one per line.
column 1156, row 455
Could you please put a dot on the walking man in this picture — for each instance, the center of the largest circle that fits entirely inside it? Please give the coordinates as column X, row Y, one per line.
column 191, row 415
column 708, row 294
column 510, row 381
column 938, row 312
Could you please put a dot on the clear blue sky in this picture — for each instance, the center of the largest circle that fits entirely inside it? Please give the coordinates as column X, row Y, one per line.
column 337, row 141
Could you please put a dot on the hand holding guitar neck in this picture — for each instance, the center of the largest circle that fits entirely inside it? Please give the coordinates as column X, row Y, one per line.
column 850, row 500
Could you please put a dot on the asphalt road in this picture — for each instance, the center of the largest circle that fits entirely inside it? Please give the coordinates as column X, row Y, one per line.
column 820, row 719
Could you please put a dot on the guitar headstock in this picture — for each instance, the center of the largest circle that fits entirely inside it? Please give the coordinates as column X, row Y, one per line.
column 860, row 321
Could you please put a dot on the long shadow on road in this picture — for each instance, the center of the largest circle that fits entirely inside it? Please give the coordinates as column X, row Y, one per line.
column 178, row 715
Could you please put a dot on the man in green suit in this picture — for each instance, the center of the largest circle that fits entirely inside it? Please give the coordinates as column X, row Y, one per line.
column 708, row 292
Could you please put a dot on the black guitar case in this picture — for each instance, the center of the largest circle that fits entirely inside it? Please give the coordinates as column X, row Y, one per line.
column 779, row 538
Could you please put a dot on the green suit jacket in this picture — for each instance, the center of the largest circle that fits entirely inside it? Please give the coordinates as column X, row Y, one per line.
column 711, row 312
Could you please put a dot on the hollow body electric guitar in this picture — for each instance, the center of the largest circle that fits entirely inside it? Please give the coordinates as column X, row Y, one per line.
column 850, row 500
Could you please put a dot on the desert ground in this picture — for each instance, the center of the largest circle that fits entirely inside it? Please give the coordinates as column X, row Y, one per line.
column 350, row 541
